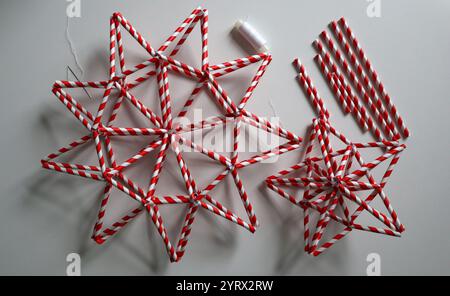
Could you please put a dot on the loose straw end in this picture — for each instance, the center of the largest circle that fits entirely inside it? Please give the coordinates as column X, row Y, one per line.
column 99, row 240
column 296, row 64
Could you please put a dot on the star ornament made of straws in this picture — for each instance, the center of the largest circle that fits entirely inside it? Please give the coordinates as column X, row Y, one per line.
column 165, row 134
column 332, row 183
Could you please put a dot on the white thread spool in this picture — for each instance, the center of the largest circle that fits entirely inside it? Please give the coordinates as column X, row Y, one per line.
column 251, row 35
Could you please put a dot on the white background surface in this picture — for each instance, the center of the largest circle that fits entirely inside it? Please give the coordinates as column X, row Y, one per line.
column 44, row 216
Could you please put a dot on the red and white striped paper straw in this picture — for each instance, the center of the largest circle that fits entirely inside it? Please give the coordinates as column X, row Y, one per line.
column 399, row 120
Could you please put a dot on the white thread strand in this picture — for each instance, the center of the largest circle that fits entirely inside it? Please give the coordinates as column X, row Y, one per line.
column 72, row 48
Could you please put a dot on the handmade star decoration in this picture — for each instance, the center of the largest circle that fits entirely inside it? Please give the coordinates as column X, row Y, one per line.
column 338, row 184
column 330, row 184
column 165, row 134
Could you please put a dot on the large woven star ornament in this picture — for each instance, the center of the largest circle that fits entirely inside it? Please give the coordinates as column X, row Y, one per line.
column 164, row 133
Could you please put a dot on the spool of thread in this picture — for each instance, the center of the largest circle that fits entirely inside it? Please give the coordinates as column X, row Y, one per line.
column 251, row 36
